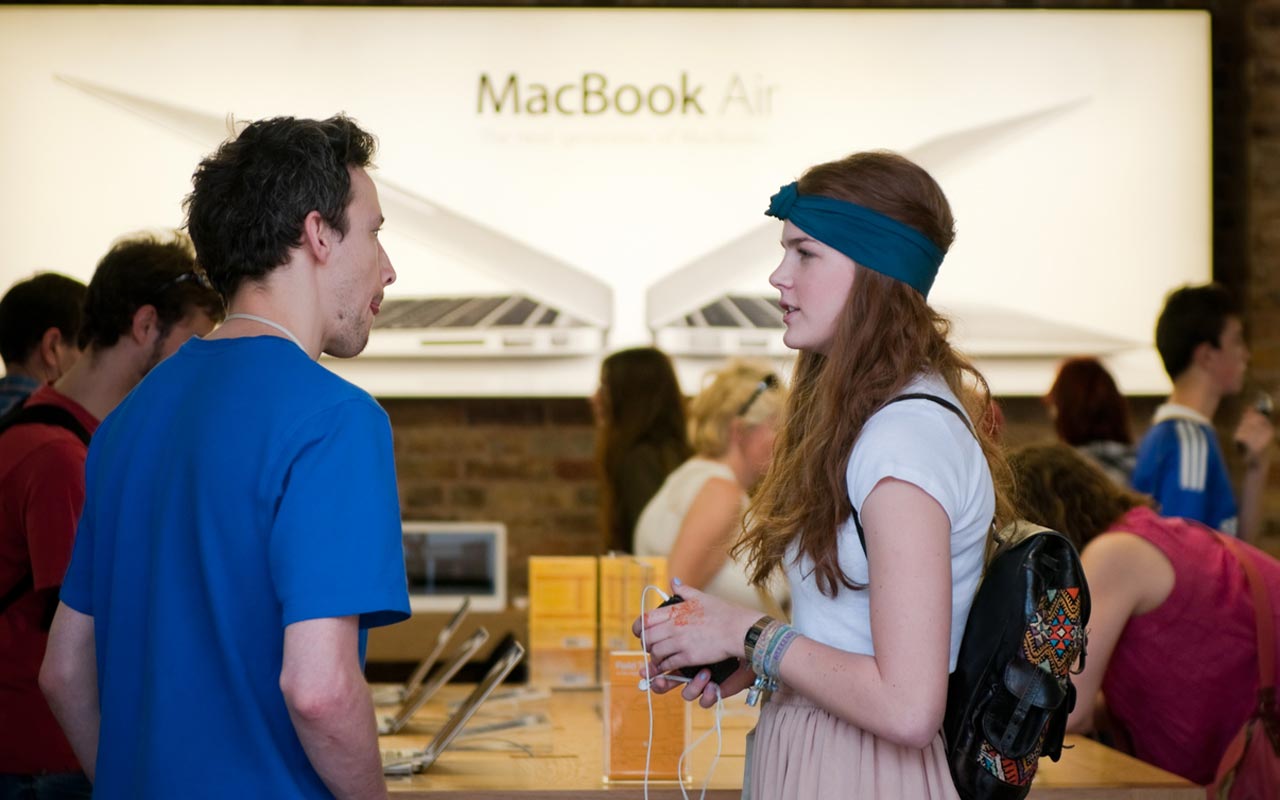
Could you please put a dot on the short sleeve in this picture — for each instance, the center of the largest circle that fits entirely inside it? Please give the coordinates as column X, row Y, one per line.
column 911, row 441
column 336, row 544
column 77, row 584
column 52, row 499
column 1173, row 467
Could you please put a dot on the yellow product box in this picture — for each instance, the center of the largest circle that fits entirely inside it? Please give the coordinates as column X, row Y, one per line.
column 563, row 621
column 626, row 724
column 563, row 598
column 622, row 583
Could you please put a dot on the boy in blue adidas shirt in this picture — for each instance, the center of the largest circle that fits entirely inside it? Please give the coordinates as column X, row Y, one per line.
column 1180, row 463
column 241, row 527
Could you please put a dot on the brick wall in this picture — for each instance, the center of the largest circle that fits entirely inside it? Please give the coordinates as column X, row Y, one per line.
column 527, row 462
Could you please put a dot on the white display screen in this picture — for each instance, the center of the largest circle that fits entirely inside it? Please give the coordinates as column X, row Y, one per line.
column 627, row 144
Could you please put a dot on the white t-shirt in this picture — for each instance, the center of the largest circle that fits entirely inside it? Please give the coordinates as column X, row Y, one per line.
column 660, row 522
column 922, row 443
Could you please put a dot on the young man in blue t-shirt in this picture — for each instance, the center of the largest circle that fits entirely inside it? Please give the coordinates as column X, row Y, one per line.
column 241, row 528
column 1180, row 463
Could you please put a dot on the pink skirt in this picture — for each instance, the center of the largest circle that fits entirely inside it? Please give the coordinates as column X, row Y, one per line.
column 801, row 752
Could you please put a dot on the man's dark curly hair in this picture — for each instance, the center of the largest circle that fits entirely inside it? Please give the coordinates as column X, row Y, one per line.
column 249, row 199
column 144, row 270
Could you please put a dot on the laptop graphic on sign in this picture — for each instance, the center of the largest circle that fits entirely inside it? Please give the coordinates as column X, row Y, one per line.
column 405, row 762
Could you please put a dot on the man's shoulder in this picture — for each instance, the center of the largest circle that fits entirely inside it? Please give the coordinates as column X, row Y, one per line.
column 40, row 446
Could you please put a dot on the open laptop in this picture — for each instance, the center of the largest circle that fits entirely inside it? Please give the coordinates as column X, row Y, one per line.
column 396, row 722
column 386, row 695
column 404, row 762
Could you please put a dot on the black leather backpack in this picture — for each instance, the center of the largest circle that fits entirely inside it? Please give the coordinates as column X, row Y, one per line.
column 1011, row 692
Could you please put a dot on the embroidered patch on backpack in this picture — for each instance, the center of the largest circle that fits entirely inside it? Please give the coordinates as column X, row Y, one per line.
column 1017, row 771
column 1051, row 640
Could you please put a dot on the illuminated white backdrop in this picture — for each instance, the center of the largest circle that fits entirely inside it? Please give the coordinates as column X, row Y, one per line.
column 1074, row 146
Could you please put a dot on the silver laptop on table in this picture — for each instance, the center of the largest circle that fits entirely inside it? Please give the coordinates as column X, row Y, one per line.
column 386, row 695
column 404, row 762
column 396, row 722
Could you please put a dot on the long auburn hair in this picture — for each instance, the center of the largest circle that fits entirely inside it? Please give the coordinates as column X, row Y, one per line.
column 885, row 336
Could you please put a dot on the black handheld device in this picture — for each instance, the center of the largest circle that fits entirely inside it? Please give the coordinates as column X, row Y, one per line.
column 719, row 670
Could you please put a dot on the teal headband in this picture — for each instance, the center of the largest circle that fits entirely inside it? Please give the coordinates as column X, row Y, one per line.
column 870, row 238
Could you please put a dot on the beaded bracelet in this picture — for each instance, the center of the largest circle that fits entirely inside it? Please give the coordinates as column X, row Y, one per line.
column 766, row 657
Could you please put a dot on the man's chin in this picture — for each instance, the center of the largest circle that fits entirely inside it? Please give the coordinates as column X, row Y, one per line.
column 347, row 349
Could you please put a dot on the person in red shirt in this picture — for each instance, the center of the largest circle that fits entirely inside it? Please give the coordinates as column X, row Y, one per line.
column 146, row 298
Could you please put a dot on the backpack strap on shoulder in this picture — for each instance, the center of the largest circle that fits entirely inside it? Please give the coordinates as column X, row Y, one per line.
column 40, row 414
column 44, row 414
column 947, row 404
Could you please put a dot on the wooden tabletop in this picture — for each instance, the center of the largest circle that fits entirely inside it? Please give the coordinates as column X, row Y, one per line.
column 564, row 759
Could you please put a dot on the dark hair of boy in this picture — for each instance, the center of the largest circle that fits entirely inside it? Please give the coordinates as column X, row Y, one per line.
column 35, row 305
column 1192, row 315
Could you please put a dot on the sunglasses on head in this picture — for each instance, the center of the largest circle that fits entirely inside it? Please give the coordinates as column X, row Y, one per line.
column 190, row 275
column 767, row 382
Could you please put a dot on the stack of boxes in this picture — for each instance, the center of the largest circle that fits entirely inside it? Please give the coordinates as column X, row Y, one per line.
column 581, row 609
column 563, row 626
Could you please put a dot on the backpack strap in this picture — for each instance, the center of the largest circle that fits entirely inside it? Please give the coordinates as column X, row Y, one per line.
column 1264, row 630
column 40, row 414
column 44, row 414
column 947, row 404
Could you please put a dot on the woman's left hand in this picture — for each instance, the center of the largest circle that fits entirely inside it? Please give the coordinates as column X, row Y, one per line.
column 702, row 630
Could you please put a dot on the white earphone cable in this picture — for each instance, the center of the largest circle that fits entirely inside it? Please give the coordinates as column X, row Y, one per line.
column 648, row 692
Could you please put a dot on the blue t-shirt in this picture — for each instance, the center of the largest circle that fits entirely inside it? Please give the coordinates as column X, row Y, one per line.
column 1180, row 464
column 239, row 488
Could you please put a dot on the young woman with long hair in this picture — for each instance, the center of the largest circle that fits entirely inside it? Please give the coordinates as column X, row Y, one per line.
column 861, row 673
column 640, row 436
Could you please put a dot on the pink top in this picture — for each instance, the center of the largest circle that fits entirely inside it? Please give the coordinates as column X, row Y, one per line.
column 1183, row 677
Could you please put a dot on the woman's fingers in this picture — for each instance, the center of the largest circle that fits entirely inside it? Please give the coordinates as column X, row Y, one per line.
column 694, row 688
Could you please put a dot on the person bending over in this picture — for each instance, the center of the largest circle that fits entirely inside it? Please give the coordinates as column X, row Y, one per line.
column 1171, row 637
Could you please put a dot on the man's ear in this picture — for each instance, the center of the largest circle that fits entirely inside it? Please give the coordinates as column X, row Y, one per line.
column 145, row 327
column 1203, row 354
column 47, row 348
column 317, row 237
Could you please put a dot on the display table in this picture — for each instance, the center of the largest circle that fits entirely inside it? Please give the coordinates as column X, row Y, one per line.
column 565, row 759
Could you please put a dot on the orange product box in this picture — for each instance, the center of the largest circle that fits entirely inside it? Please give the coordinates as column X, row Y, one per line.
column 626, row 724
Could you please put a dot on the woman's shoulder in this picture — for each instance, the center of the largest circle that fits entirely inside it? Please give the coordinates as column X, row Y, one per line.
column 916, row 413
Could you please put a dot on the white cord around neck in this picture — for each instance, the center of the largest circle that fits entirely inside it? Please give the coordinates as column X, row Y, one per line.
column 269, row 324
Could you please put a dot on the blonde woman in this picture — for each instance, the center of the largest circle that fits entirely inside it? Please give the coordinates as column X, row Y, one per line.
column 696, row 516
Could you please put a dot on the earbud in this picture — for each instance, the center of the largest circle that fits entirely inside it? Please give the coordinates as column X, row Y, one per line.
column 645, row 682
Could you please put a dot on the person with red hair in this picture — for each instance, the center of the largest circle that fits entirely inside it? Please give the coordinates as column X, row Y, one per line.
column 1091, row 415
